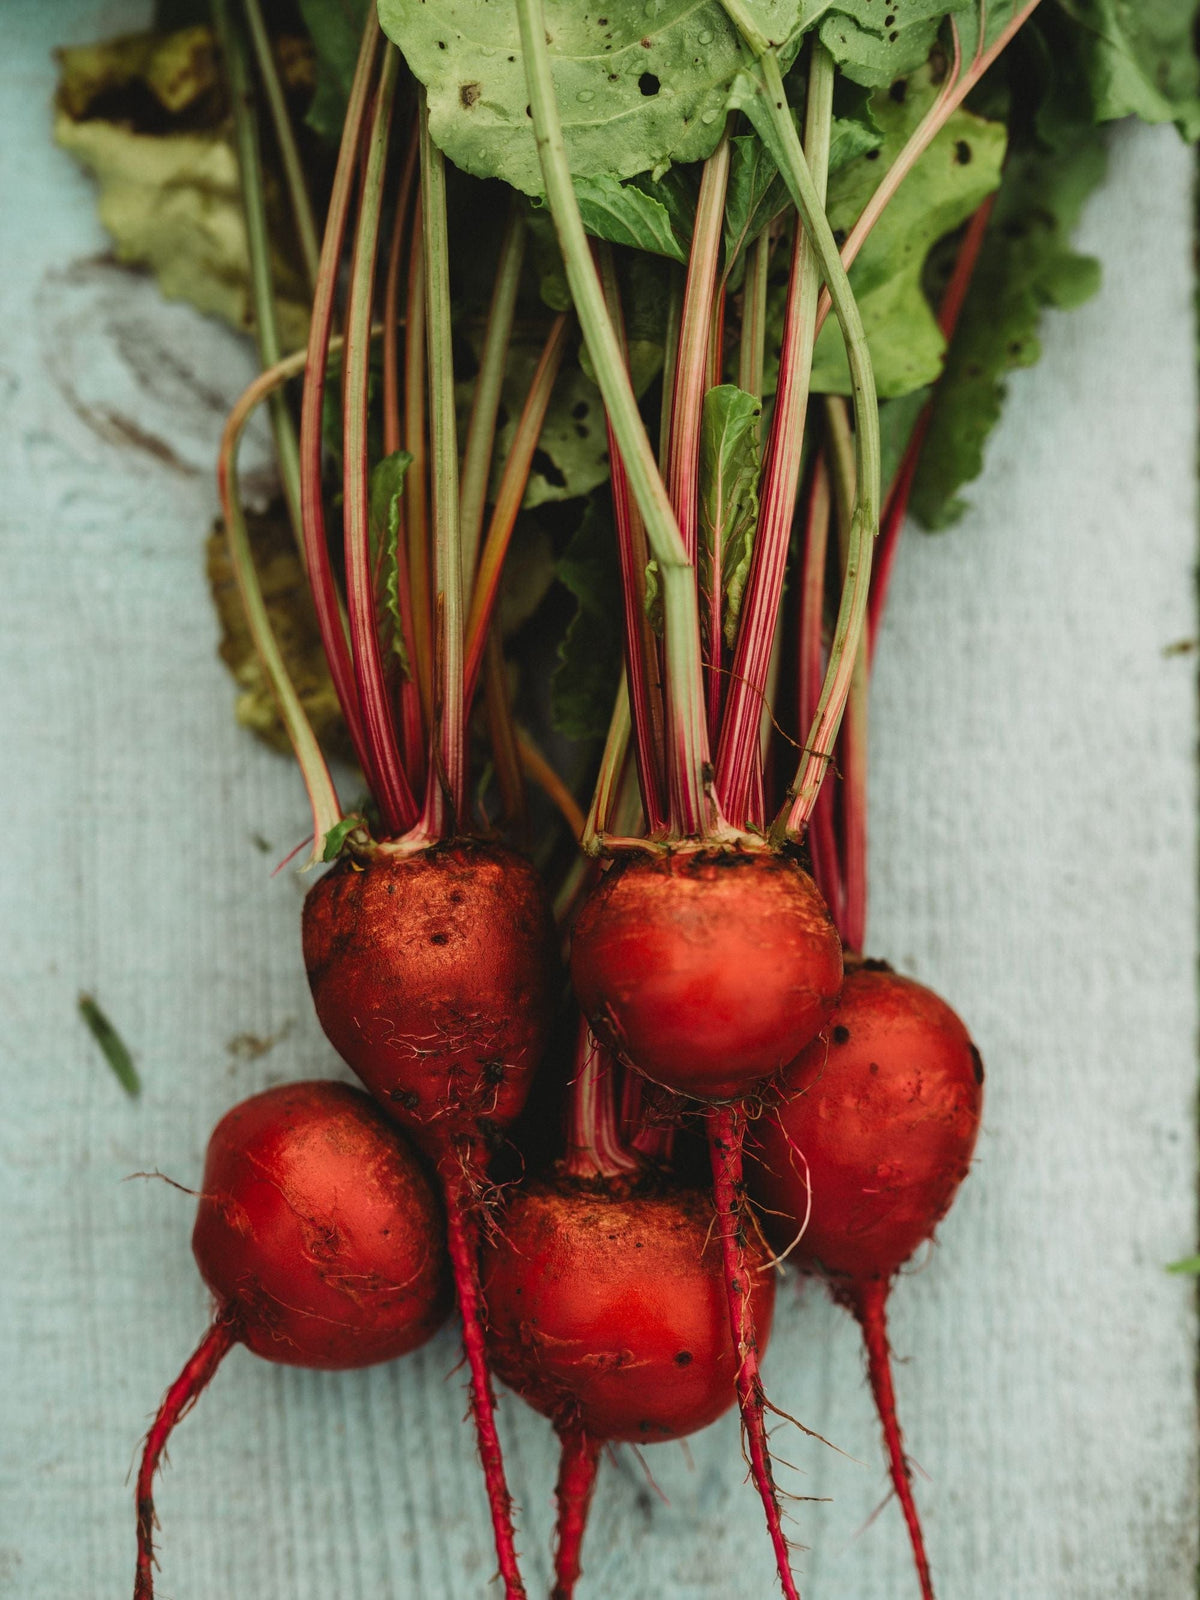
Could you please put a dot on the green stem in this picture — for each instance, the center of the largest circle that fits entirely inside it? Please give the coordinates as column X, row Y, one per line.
column 612, row 764
column 485, row 401
column 326, row 811
column 692, row 810
column 642, row 663
column 285, row 138
column 445, row 788
column 851, row 916
column 258, row 245
column 670, row 359
column 752, row 348
column 691, row 365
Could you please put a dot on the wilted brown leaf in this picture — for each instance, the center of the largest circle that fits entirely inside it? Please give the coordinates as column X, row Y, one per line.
column 289, row 606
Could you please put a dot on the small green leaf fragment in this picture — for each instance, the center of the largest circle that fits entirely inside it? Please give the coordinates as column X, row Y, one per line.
column 113, row 1047
column 385, row 499
column 625, row 214
column 729, row 474
column 338, row 836
column 336, row 28
column 1190, row 1265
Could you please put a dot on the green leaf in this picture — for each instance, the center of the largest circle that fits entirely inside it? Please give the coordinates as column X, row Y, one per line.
column 1140, row 60
column 756, row 193
column 113, row 1047
column 957, row 172
column 1026, row 263
column 729, row 474
column 874, row 43
column 640, row 83
column 897, row 419
column 336, row 28
column 626, row 214
column 1189, row 1265
column 589, row 659
column 385, row 499
column 341, row 834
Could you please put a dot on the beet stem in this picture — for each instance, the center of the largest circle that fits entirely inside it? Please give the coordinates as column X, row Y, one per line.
column 180, row 1398
column 462, row 1237
column 868, row 1302
column 576, row 1479
column 726, row 1125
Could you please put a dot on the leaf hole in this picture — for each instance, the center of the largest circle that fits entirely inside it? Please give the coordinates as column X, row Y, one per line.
column 649, row 84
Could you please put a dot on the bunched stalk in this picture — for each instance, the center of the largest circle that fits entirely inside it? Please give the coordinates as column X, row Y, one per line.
column 692, row 811
column 385, row 774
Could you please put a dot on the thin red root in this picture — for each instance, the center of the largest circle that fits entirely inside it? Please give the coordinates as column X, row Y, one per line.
column 462, row 1232
column 576, row 1480
column 868, row 1301
column 726, row 1125
column 180, row 1398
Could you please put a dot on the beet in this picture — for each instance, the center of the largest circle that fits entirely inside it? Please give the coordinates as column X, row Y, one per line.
column 433, row 976
column 866, row 1153
column 707, row 971
column 885, row 1107
column 321, row 1238
column 607, row 1314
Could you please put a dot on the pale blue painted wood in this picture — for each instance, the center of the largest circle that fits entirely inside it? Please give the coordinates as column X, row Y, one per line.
column 1033, row 856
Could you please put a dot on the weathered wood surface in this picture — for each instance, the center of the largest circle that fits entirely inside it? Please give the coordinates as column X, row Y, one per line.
column 1033, row 857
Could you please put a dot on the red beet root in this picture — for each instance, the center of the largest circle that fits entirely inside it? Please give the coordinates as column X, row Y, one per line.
column 706, row 971
column 885, row 1110
column 432, row 975
column 709, row 971
column 321, row 1239
column 870, row 1145
column 607, row 1314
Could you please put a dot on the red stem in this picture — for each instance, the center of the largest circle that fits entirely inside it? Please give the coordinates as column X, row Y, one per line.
column 180, row 1398
column 412, row 731
column 385, row 775
column 642, row 663
column 822, row 842
column 316, row 549
column 646, row 1118
column 462, row 1237
column 415, row 479
column 726, row 1125
column 576, row 1479
column 737, row 750
column 691, row 370
column 868, row 1302
column 594, row 1146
